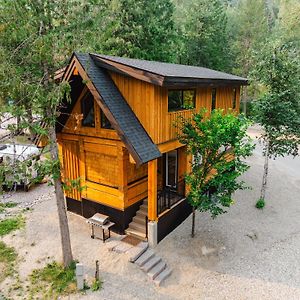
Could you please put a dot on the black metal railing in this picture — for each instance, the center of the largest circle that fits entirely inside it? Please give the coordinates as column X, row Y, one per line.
column 146, row 223
column 166, row 198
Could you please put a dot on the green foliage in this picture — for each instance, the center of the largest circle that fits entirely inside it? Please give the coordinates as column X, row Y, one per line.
column 205, row 41
column 218, row 144
column 260, row 204
column 278, row 110
column 7, row 260
column 53, row 281
column 11, row 224
column 96, row 285
column 138, row 29
column 3, row 206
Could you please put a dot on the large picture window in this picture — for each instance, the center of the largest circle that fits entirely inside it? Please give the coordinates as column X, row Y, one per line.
column 181, row 99
column 87, row 109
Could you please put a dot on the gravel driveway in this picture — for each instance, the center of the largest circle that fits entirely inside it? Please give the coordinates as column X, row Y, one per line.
column 244, row 254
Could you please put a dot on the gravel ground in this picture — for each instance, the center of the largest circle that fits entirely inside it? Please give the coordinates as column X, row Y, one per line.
column 244, row 254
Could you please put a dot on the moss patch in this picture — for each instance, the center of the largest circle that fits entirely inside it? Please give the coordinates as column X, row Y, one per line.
column 7, row 260
column 52, row 281
column 11, row 224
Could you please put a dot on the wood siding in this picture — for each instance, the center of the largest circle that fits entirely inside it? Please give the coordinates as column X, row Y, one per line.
column 98, row 157
column 150, row 104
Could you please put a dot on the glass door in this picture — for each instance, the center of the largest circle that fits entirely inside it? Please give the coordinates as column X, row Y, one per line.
column 171, row 169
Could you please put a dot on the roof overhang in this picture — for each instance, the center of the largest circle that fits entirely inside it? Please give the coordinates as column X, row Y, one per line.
column 163, row 80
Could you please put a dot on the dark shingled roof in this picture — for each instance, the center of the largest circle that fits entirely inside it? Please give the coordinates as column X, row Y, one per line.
column 133, row 134
column 172, row 71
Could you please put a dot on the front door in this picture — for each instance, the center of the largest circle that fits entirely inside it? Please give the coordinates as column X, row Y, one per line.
column 171, row 169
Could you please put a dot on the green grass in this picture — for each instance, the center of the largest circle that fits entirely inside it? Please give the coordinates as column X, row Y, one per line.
column 52, row 281
column 11, row 224
column 96, row 285
column 7, row 260
column 3, row 206
column 260, row 204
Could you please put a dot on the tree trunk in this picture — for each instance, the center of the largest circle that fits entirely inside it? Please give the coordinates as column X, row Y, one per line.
column 265, row 175
column 61, row 208
column 193, row 222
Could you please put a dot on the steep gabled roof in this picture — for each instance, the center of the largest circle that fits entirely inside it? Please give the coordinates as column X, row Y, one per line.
column 167, row 74
column 119, row 113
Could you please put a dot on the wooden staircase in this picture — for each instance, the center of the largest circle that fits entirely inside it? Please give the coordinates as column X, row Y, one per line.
column 137, row 227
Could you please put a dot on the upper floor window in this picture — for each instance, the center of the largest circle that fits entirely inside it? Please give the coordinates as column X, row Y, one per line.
column 213, row 98
column 87, row 110
column 104, row 121
column 234, row 99
column 181, row 99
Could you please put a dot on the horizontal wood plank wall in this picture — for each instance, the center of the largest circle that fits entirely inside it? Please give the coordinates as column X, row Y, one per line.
column 97, row 164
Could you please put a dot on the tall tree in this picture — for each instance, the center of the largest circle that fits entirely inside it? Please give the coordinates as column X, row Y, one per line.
column 205, row 36
column 218, row 146
column 138, row 29
column 278, row 110
column 36, row 37
column 248, row 29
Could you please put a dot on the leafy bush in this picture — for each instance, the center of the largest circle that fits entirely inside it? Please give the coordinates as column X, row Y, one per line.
column 96, row 285
column 260, row 204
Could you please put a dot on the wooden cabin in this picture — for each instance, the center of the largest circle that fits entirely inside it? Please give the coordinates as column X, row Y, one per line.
column 116, row 136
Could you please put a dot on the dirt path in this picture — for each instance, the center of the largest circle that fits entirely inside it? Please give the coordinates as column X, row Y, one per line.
column 244, row 254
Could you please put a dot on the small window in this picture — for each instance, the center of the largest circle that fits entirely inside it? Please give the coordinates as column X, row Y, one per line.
column 104, row 121
column 87, row 109
column 234, row 99
column 181, row 99
column 213, row 98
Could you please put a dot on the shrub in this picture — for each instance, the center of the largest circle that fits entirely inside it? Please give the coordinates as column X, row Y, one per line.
column 260, row 204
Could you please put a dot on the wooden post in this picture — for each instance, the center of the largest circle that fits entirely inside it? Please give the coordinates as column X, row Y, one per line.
column 152, row 190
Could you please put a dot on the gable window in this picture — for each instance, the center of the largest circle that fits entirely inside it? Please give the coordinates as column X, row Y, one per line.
column 234, row 99
column 104, row 121
column 181, row 99
column 87, row 110
column 213, row 98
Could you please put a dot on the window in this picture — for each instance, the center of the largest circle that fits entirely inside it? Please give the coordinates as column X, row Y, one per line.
column 104, row 121
column 234, row 99
column 213, row 98
column 87, row 109
column 181, row 99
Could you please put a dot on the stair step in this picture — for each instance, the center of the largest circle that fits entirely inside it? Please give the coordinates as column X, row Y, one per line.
column 137, row 251
column 157, row 270
column 136, row 233
column 138, row 227
column 142, row 214
column 162, row 276
column 139, row 219
column 151, row 263
column 146, row 256
column 143, row 208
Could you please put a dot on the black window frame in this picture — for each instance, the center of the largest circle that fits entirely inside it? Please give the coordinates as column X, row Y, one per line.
column 182, row 105
column 86, row 110
column 234, row 99
column 104, row 122
column 213, row 98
